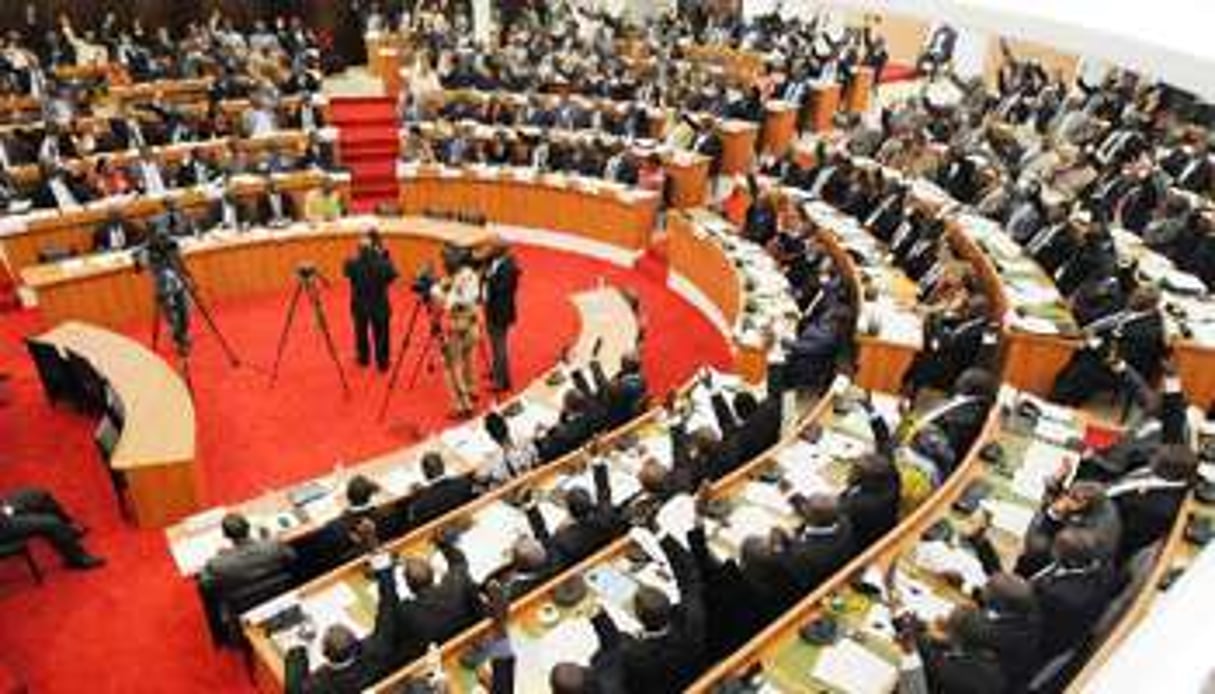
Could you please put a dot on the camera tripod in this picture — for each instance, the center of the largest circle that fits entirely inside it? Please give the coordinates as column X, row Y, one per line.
column 309, row 281
column 435, row 337
column 188, row 295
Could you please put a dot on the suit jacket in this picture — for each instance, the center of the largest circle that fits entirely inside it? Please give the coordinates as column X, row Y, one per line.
column 370, row 274
column 501, row 283
column 1014, row 639
column 265, row 213
column 666, row 662
column 438, row 498
column 1071, row 602
column 114, row 235
column 952, row 670
column 239, row 566
column 872, row 511
column 1148, row 506
column 815, row 554
column 439, row 612
column 374, row 657
column 739, row 600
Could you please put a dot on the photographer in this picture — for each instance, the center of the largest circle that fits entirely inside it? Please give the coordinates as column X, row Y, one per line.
column 458, row 295
column 162, row 255
column 370, row 272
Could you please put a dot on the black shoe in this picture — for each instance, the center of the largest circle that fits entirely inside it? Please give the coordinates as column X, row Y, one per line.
column 85, row 562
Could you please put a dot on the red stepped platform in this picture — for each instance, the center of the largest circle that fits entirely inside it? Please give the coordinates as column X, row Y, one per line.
column 368, row 144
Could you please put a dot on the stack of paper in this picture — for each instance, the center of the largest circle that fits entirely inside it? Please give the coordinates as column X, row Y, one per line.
column 849, row 667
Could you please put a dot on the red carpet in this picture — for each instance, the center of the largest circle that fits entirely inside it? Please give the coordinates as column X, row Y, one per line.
column 136, row 626
column 368, row 145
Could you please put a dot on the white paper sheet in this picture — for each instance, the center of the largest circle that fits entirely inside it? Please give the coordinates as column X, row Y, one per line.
column 852, row 668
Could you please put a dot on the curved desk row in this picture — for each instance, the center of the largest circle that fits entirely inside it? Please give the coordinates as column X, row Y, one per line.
column 606, row 320
column 546, row 630
column 155, row 449
column 889, row 328
column 738, row 137
column 23, row 237
column 589, row 216
column 735, row 284
column 109, row 290
column 489, row 523
column 291, row 142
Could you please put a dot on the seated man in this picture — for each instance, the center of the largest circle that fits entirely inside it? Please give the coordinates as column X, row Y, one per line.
column 275, row 208
column 440, row 492
column 954, row 660
column 115, row 234
column 324, row 204
column 30, row 513
column 438, row 609
column 248, row 560
column 531, row 564
column 229, row 213
column 1149, row 499
column 870, row 502
column 351, row 665
column 592, row 522
column 668, row 652
column 821, row 544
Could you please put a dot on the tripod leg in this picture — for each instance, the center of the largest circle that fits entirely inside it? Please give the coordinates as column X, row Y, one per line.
column 155, row 324
column 322, row 324
column 400, row 360
column 421, row 362
column 219, row 336
column 282, row 338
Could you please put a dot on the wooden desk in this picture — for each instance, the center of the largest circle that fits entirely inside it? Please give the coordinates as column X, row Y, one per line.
column 712, row 278
column 780, row 126
column 536, row 639
column 23, row 238
column 156, row 449
column 607, row 320
column 859, row 90
column 823, row 103
column 886, row 342
column 689, row 179
column 737, row 146
column 108, row 290
column 1031, row 360
column 593, row 216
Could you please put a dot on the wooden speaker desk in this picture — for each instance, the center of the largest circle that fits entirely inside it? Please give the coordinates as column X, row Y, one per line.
column 155, row 451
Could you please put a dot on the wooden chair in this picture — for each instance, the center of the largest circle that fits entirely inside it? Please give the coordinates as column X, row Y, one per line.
column 21, row 548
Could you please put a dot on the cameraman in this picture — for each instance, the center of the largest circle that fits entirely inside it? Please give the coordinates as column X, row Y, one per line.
column 162, row 255
column 371, row 272
column 458, row 295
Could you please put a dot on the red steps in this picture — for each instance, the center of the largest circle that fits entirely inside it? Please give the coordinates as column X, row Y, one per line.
column 369, row 144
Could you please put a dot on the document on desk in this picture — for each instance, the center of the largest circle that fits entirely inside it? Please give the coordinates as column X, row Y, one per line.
column 941, row 558
column 331, row 606
column 1013, row 519
column 470, row 441
column 744, row 522
column 920, row 598
column 485, row 543
column 192, row 553
column 1041, row 461
column 571, row 641
column 400, row 479
column 850, row 667
column 532, row 418
column 768, row 497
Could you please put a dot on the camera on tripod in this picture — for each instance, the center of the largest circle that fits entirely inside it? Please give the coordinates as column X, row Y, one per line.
column 306, row 271
column 423, row 283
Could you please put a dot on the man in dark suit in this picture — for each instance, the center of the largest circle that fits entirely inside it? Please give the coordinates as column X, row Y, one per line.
column 531, row 563
column 59, row 189
column 438, row 609
column 440, row 493
column 248, row 560
column 1072, row 590
column 955, row 661
column 1149, row 499
column 741, row 594
column 30, row 513
column 1010, row 626
column 371, row 272
column 275, row 208
column 351, row 665
column 821, row 544
column 114, row 234
column 592, row 523
column 668, row 652
column 870, row 502
column 500, row 285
